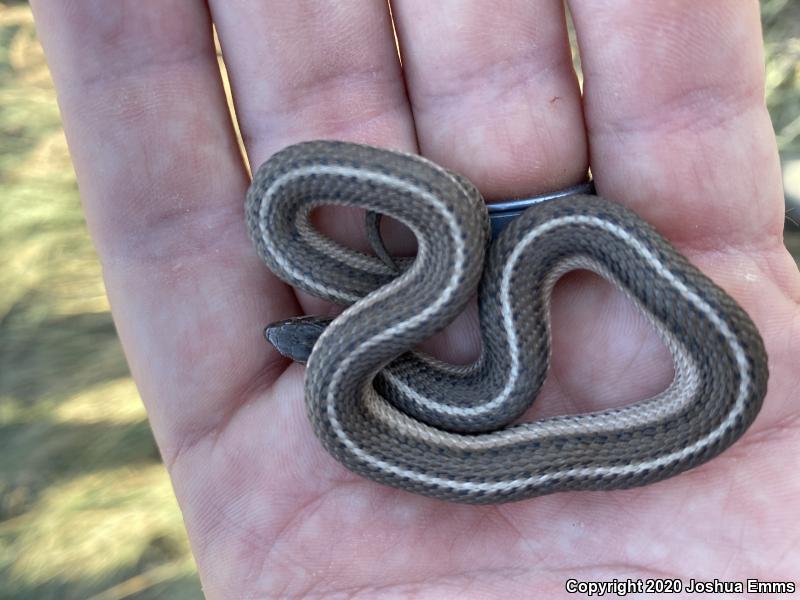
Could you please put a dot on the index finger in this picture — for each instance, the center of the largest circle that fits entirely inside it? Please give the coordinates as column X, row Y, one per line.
column 163, row 182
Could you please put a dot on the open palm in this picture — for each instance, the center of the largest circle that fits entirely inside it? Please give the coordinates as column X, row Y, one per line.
column 674, row 126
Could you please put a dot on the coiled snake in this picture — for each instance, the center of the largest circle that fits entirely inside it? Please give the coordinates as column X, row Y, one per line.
column 411, row 421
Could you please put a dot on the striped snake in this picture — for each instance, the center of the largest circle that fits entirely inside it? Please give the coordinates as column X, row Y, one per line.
column 408, row 420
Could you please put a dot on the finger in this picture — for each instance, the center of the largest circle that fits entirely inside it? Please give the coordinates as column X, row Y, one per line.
column 163, row 185
column 495, row 98
column 674, row 103
column 311, row 70
column 679, row 131
column 494, row 93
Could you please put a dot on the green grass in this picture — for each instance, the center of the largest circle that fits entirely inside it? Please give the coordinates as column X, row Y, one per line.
column 86, row 508
column 781, row 19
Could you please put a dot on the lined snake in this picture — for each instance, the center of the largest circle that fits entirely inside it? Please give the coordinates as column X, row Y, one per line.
column 411, row 421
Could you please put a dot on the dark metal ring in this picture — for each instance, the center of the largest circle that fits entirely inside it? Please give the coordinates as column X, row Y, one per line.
column 502, row 213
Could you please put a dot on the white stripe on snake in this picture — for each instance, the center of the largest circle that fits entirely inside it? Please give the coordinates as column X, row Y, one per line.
column 411, row 421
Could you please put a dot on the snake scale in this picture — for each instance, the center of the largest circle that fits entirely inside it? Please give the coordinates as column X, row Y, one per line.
column 408, row 420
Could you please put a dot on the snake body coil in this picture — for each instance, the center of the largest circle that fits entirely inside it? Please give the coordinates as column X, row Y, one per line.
column 413, row 422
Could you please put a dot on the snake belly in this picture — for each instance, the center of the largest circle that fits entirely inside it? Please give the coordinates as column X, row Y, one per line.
column 408, row 420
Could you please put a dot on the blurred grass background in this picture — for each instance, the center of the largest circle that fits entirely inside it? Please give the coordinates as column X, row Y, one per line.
column 86, row 508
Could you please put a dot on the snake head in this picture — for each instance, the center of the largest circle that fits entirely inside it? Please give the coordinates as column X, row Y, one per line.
column 295, row 338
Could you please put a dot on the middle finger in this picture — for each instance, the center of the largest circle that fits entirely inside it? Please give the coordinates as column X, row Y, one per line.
column 314, row 69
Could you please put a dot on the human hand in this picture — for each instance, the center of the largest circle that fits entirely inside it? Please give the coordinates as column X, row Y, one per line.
column 675, row 120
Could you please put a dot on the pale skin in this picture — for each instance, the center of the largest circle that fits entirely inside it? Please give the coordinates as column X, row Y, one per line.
column 674, row 126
